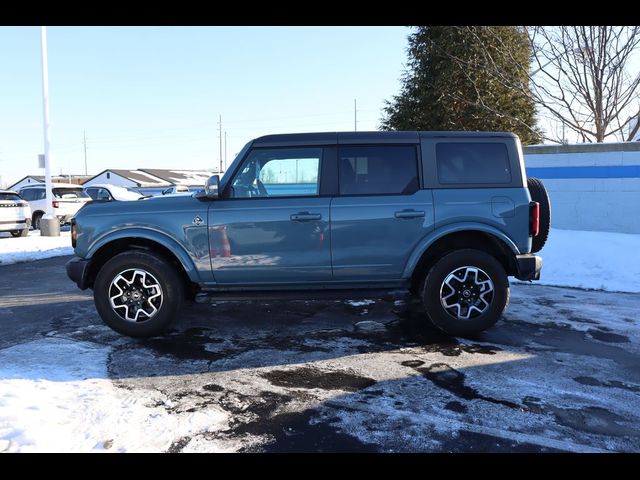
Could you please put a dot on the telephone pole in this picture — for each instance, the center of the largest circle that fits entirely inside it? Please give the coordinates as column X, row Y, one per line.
column 225, row 150
column 220, row 141
column 355, row 115
column 84, row 135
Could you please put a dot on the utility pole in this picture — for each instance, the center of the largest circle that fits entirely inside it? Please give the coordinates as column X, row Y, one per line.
column 225, row 150
column 355, row 115
column 220, row 141
column 49, row 225
column 84, row 135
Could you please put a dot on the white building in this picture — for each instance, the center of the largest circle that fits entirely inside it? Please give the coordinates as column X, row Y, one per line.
column 592, row 186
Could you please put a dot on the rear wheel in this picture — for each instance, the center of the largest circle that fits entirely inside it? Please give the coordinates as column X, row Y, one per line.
column 138, row 293
column 539, row 194
column 20, row 233
column 465, row 292
column 36, row 220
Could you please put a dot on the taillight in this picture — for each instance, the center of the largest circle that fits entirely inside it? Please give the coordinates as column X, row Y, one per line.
column 74, row 233
column 55, row 204
column 534, row 218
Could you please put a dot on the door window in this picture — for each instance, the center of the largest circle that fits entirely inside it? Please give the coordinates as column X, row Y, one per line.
column 278, row 172
column 378, row 170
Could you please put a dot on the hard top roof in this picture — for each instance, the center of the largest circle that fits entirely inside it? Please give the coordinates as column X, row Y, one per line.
column 334, row 138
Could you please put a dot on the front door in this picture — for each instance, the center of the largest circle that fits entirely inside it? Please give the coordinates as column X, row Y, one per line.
column 272, row 225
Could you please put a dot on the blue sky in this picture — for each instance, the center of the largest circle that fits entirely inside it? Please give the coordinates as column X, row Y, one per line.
column 150, row 96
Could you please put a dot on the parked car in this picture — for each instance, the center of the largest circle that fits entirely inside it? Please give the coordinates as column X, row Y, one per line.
column 68, row 198
column 447, row 216
column 177, row 190
column 108, row 193
column 15, row 214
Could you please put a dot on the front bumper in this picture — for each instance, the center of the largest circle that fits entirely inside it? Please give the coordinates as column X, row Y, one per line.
column 528, row 266
column 78, row 270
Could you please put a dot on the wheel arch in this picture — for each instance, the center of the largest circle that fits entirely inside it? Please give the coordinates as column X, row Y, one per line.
column 109, row 246
column 487, row 239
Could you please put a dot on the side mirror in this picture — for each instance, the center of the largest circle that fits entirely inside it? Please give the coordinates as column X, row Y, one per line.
column 211, row 187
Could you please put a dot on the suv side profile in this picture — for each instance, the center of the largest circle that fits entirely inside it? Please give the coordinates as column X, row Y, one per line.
column 68, row 198
column 447, row 215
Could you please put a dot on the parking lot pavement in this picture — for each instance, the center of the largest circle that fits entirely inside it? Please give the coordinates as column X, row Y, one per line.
column 558, row 373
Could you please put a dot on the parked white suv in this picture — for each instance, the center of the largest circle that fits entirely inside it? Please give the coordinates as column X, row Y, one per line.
column 15, row 214
column 68, row 198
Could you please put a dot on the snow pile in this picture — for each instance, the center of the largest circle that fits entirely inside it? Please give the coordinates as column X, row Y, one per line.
column 33, row 247
column 599, row 260
column 47, row 406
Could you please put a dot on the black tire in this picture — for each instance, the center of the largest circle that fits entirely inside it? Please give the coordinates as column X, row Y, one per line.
column 162, row 271
column 434, row 283
column 539, row 194
column 20, row 233
column 36, row 220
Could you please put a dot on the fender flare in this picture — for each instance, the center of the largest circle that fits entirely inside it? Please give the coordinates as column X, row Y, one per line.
column 156, row 236
column 440, row 232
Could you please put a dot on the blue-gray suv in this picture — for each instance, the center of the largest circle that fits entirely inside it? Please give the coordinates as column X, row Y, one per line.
column 446, row 215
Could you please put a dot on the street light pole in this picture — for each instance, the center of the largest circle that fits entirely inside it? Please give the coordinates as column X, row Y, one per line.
column 49, row 225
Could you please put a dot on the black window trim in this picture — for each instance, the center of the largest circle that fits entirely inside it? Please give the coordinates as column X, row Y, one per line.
column 408, row 144
column 323, row 160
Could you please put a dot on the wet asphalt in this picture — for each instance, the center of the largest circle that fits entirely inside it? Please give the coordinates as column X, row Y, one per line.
column 560, row 372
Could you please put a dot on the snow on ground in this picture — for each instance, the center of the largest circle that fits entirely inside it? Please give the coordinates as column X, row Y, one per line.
column 599, row 260
column 33, row 247
column 46, row 406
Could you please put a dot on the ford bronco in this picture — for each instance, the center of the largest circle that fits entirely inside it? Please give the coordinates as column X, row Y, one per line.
column 446, row 215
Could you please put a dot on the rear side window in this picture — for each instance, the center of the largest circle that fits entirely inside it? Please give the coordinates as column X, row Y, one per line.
column 69, row 193
column 9, row 196
column 472, row 163
column 378, row 170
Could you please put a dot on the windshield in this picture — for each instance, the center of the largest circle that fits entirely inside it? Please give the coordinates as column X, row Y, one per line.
column 71, row 193
column 10, row 196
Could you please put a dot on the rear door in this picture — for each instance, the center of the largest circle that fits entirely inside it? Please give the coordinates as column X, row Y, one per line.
column 380, row 213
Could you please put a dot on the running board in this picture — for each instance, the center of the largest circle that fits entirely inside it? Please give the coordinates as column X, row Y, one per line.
column 271, row 295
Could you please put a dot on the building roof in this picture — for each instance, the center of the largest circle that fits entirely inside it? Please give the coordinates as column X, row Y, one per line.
column 142, row 178
column 180, row 177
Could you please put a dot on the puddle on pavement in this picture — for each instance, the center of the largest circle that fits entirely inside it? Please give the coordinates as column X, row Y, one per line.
column 310, row 377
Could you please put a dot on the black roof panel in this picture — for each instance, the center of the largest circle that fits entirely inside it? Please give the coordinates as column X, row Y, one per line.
column 333, row 138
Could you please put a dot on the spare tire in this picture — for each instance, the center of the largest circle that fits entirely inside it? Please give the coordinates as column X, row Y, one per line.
column 539, row 194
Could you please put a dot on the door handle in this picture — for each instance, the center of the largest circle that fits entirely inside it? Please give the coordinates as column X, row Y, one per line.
column 409, row 214
column 305, row 217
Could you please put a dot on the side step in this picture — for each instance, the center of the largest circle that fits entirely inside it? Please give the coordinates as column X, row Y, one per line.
column 284, row 295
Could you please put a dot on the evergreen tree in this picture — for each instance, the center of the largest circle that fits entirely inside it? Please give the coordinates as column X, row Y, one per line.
column 448, row 85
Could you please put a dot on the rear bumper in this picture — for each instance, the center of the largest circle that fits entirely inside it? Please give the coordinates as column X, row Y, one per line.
column 10, row 225
column 529, row 266
column 77, row 270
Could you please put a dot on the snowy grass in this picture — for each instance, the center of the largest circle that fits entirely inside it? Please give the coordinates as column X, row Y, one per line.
column 68, row 404
column 597, row 260
column 33, row 247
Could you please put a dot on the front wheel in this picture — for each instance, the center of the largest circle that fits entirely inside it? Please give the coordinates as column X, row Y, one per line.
column 465, row 292
column 20, row 233
column 138, row 293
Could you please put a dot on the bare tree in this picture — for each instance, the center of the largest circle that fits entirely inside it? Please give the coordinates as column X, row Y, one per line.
column 582, row 77
column 579, row 76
